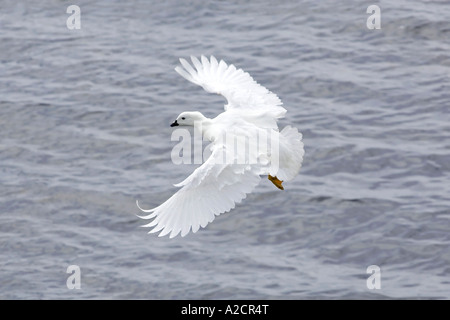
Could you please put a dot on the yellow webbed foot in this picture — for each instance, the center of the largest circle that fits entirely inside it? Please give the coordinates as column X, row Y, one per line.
column 276, row 182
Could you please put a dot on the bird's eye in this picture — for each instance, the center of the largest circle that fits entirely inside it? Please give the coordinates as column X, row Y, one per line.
column 183, row 118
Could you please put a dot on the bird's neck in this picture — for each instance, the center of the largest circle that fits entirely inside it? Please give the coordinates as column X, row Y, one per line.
column 205, row 125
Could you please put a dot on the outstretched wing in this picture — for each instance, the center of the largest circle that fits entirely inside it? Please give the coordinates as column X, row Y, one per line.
column 213, row 188
column 237, row 86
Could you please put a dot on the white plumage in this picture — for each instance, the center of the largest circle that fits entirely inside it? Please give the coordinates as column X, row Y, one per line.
column 226, row 177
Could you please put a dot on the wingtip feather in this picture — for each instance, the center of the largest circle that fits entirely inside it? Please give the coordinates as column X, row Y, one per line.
column 144, row 210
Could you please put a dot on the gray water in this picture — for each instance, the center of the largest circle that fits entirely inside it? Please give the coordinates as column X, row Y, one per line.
column 85, row 114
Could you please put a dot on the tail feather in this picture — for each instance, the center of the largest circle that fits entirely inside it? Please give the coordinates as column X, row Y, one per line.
column 291, row 153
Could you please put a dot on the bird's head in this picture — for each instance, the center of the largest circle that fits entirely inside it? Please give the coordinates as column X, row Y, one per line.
column 188, row 118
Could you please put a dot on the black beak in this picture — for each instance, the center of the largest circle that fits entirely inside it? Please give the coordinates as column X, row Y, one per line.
column 174, row 124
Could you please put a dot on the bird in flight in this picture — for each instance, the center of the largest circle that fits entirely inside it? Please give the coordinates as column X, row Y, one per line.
column 227, row 176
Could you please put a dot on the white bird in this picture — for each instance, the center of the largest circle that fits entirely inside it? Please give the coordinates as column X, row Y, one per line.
column 217, row 185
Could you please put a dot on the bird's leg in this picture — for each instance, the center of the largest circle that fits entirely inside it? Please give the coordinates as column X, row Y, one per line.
column 276, row 182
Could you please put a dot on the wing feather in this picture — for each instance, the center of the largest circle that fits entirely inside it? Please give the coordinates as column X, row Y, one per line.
column 221, row 69
column 237, row 86
column 187, row 66
column 212, row 189
column 185, row 74
column 214, row 65
column 197, row 65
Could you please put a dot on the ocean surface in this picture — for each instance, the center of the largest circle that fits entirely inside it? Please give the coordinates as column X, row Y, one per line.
column 84, row 133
